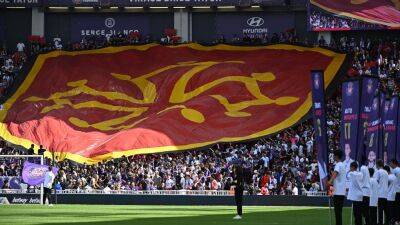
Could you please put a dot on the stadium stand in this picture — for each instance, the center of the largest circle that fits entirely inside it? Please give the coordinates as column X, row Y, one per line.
column 284, row 164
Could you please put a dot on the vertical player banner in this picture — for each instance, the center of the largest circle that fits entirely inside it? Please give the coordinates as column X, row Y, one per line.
column 390, row 128
column 368, row 88
column 397, row 149
column 350, row 118
column 372, row 133
column 319, row 115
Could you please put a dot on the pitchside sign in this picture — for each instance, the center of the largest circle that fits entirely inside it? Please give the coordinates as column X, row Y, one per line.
column 254, row 24
column 107, row 25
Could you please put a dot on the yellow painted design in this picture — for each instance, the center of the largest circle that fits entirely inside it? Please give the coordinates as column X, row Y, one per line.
column 149, row 92
column 331, row 70
column 193, row 115
column 358, row 2
column 396, row 4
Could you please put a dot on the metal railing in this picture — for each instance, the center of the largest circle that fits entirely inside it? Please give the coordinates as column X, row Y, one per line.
column 153, row 192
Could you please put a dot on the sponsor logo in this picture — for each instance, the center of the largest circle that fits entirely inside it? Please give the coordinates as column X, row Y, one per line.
column 29, row 200
column 255, row 21
column 109, row 22
column 37, row 172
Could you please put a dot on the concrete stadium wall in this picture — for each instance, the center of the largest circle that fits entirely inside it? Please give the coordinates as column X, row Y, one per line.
column 61, row 24
column 15, row 26
column 109, row 199
column 207, row 26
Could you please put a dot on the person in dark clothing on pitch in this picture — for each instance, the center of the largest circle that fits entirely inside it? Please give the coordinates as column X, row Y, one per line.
column 239, row 180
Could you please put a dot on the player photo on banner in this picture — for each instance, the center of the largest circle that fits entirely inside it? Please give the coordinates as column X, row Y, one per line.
column 390, row 129
column 368, row 88
column 350, row 119
column 372, row 133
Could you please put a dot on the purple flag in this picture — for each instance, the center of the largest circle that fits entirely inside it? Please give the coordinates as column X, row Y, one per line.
column 350, row 118
column 390, row 129
column 369, row 86
column 372, row 134
column 33, row 174
column 321, row 139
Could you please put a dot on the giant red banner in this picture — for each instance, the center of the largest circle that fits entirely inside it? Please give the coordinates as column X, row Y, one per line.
column 99, row 104
column 383, row 12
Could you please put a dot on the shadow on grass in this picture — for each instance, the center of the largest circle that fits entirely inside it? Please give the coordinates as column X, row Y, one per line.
column 318, row 216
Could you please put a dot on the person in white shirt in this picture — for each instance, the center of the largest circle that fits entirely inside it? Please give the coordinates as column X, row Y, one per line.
column 265, row 160
column 57, row 43
column 295, row 190
column 48, row 185
column 391, row 197
column 20, row 47
column 382, row 177
column 355, row 192
column 373, row 198
column 366, row 189
column 394, row 164
column 338, row 179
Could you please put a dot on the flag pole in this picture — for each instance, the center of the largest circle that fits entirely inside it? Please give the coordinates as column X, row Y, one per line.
column 330, row 210
column 54, row 185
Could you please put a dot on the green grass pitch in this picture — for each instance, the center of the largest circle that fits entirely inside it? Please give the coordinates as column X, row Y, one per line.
column 162, row 215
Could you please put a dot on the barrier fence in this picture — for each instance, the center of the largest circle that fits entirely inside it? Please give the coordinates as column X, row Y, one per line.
column 145, row 192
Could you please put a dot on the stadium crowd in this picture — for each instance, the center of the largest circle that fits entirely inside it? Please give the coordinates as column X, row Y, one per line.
column 283, row 164
column 319, row 21
column 10, row 65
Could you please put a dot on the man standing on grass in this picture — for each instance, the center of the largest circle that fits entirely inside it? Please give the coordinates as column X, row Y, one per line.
column 373, row 199
column 355, row 192
column 239, row 188
column 391, row 197
column 48, row 184
column 394, row 164
column 382, row 177
column 366, row 189
column 338, row 179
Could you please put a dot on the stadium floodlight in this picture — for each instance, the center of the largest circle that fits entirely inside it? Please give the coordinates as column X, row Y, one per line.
column 22, row 190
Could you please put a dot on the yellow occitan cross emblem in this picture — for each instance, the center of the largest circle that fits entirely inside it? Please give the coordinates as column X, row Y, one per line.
column 178, row 96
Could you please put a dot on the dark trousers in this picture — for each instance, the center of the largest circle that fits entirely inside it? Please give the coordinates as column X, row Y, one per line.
column 365, row 210
column 373, row 211
column 382, row 211
column 338, row 201
column 357, row 212
column 239, row 199
column 397, row 208
column 47, row 195
column 391, row 211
